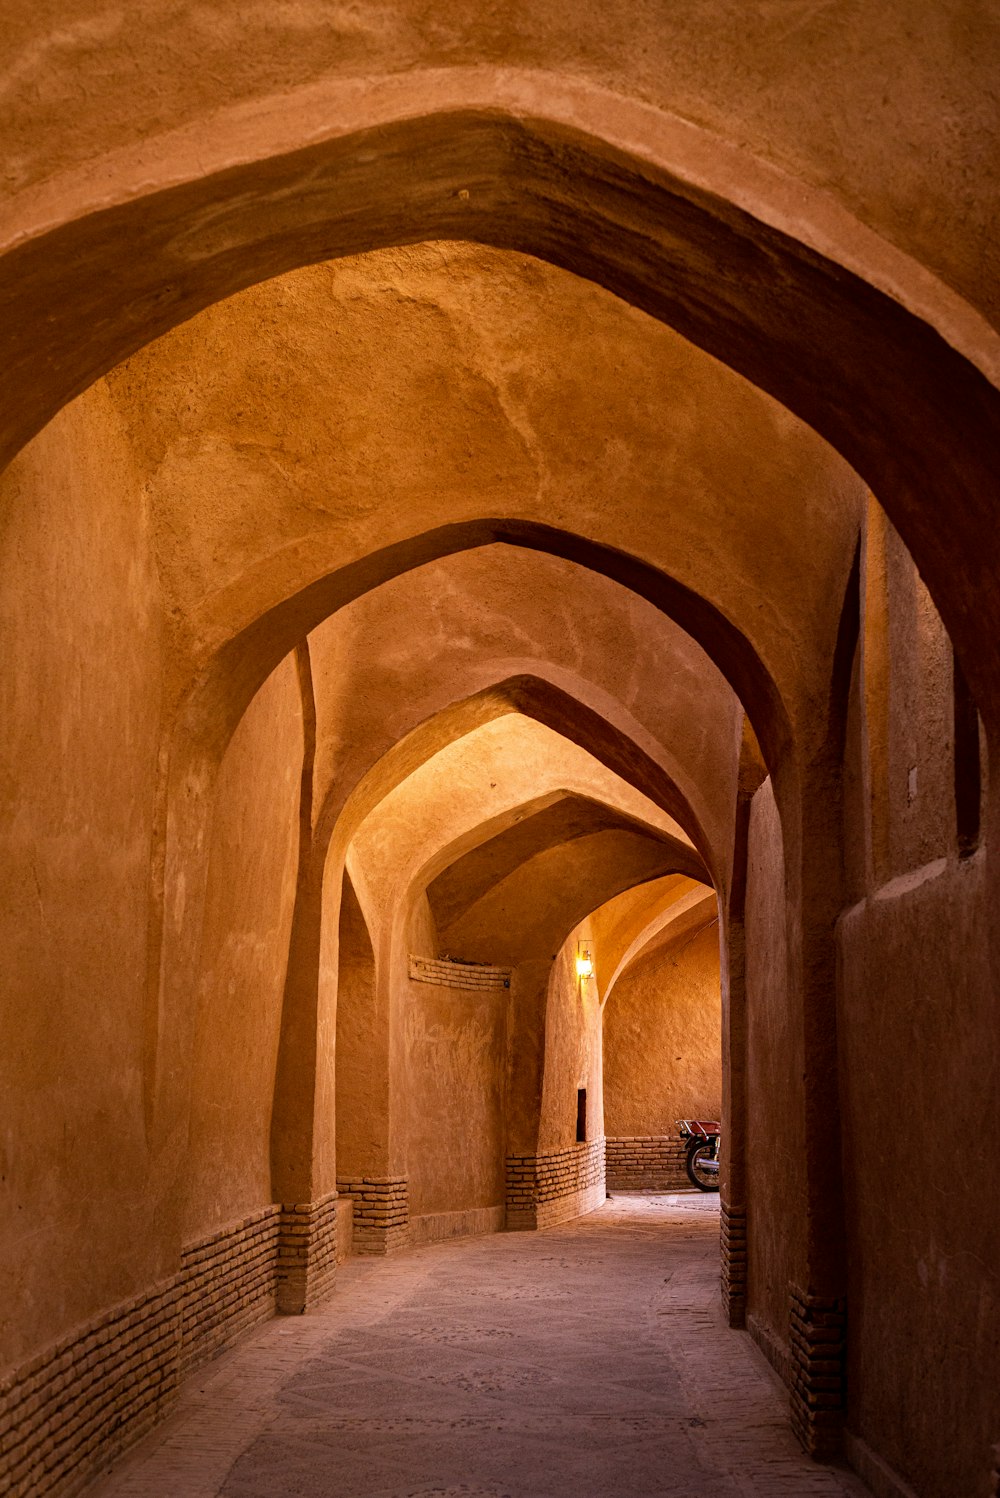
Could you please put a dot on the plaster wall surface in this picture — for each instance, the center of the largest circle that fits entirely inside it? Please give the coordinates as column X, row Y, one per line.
column 917, row 1063
column 264, row 474
column 662, row 1039
column 527, row 912
column 573, row 1058
column 248, row 913
column 921, row 1117
column 908, row 711
column 525, row 919
column 359, row 1140
column 457, row 1048
column 775, row 1164
column 80, row 704
column 457, row 1045
column 245, row 203
column 629, row 922
column 256, row 468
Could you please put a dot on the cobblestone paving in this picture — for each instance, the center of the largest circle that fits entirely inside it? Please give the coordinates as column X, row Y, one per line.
column 587, row 1360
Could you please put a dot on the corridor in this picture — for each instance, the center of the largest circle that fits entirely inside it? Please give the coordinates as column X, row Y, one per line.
column 588, row 1360
column 500, row 634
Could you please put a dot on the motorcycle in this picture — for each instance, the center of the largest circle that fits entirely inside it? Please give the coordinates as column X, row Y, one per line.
column 701, row 1160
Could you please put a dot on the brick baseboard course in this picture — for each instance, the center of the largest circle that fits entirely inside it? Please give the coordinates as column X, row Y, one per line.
column 381, row 1212
column 549, row 1188
column 646, row 1162
column 307, row 1254
column 817, row 1343
column 77, row 1405
column 733, row 1236
column 472, row 977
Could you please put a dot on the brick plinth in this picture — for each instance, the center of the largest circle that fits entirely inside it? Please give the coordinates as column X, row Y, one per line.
column 79, row 1403
column 549, row 1188
column 381, row 1212
column 817, row 1342
column 733, row 1234
column 307, row 1254
column 471, row 977
column 646, row 1162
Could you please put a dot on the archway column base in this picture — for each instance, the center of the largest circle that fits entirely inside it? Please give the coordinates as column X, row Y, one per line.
column 381, row 1206
column 817, row 1343
column 554, row 1186
column 733, row 1235
column 307, row 1254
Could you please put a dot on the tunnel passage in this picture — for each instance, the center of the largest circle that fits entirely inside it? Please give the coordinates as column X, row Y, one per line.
column 453, row 377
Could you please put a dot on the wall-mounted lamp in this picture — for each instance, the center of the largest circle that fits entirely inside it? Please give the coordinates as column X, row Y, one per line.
column 584, row 961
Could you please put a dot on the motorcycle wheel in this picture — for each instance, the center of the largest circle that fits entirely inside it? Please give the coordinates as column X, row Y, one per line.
column 705, row 1180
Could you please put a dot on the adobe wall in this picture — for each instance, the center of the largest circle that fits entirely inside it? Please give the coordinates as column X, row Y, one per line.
column 384, row 461
column 908, row 712
column 80, row 706
column 921, row 1116
column 662, row 1040
column 916, row 1027
column 128, row 1263
column 573, row 1049
column 497, row 613
column 565, row 1176
column 358, row 1134
column 526, row 1050
column 775, row 1180
column 455, row 1098
column 244, row 951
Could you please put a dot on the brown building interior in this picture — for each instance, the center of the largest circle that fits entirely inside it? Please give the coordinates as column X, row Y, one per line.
column 488, row 487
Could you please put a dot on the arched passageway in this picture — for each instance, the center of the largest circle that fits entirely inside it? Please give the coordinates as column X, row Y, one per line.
column 447, row 502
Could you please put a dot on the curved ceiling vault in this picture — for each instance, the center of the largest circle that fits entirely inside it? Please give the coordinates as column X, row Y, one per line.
column 805, row 303
column 424, row 659
column 518, row 896
column 317, row 436
column 509, row 888
column 510, row 795
column 644, row 920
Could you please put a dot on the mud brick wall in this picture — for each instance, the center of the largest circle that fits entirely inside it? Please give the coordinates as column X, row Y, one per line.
column 648, row 1162
column 307, row 1253
column 227, row 1285
column 381, row 1206
column 817, row 1338
column 76, row 1405
column 733, row 1236
column 549, row 1188
column 471, row 976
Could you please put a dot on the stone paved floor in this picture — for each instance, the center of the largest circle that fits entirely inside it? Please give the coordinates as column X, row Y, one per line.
column 584, row 1361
